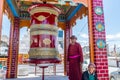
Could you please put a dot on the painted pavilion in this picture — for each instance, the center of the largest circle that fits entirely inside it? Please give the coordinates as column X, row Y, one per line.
column 65, row 13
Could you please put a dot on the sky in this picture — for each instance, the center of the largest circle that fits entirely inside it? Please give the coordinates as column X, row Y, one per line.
column 6, row 27
column 112, row 20
column 112, row 26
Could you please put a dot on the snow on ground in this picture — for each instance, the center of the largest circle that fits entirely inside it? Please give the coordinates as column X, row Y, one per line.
column 59, row 76
column 112, row 69
column 40, row 78
column 27, row 72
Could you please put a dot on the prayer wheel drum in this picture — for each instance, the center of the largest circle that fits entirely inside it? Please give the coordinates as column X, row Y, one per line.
column 43, row 32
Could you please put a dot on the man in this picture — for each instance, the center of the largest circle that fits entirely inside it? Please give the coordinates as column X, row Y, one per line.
column 75, row 59
column 90, row 74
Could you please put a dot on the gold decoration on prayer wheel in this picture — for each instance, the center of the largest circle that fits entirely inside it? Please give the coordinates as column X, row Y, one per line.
column 43, row 31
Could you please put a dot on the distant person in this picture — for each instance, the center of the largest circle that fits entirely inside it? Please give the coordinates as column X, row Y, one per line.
column 75, row 59
column 90, row 73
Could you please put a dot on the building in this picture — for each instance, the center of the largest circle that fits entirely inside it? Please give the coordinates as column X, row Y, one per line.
column 4, row 49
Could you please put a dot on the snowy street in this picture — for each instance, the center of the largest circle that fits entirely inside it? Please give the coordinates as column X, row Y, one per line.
column 46, row 78
column 27, row 72
column 51, row 77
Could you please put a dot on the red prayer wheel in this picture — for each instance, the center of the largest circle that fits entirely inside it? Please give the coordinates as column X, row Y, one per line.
column 43, row 31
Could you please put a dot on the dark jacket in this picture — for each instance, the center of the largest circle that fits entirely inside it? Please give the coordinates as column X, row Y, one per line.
column 85, row 76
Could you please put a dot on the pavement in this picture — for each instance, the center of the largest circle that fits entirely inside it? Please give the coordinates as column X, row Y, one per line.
column 49, row 73
column 26, row 72
column 40, row 78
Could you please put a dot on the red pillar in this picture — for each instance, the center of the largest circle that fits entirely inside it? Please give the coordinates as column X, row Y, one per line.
column 67, row 34
column 98, row 53
column 12, row 62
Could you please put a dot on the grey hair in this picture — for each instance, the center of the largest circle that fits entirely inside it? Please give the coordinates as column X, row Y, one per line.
column 91, row 64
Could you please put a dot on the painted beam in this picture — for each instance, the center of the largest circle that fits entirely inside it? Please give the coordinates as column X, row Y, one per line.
column 74, row 12
column 1, row 15
column 12, row 7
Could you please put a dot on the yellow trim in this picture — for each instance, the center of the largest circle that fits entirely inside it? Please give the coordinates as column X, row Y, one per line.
column 41, row 18
column 43, row 26
column 47, row 29
column 39, row 48
column 43, row 32
column 47, row 41
column 91, row 31
column 24, row 23
column 62, row 25
column 3, row 59
column 43, row 53
column 44, row 9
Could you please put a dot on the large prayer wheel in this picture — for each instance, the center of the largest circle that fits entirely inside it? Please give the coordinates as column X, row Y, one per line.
column 43, row 31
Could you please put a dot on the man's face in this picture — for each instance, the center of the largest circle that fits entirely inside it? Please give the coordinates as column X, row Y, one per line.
column 73, row 40
column 91, row 69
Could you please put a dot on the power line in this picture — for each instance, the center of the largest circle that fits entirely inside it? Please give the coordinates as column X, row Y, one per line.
column 83, row 28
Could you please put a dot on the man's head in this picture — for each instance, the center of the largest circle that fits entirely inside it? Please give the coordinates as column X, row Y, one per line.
column 91, row 68
column 73, row 38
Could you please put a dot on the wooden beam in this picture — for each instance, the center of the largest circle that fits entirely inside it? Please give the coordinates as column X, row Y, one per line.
column 67, row 33
column 12, row 61
column 1, row 15
column 12, row 8
column 24, row 23
column 74, row 12
column 91, row 42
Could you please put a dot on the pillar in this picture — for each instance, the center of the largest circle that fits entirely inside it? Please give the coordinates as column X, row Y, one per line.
column 1, row 15
column 12, row 61
column 98, row 51
column 67, row 34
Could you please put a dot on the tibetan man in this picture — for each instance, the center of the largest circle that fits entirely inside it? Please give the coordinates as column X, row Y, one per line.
column 75, row 59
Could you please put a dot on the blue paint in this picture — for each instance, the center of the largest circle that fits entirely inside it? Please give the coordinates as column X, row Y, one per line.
column 74, row 12
column 12, row 8
column 61, row 20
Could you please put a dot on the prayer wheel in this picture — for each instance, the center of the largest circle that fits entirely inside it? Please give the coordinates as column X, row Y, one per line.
column 43, row 31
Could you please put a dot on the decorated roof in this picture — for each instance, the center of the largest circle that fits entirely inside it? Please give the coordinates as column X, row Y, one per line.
column 19, row 8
